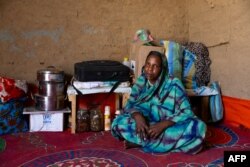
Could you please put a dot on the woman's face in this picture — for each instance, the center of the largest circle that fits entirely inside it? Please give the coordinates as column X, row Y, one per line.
column 152, row 68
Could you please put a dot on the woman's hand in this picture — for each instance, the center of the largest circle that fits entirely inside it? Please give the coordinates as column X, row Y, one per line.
column 141, row 125
column 156, row 129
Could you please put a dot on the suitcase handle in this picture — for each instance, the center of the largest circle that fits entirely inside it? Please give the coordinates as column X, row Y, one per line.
column 109, row 93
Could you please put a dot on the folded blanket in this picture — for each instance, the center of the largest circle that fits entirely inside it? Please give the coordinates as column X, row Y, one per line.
column 89, row 85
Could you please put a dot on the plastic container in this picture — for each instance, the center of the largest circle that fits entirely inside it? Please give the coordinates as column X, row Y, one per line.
column 107, row 118
column 82, row 121
column 117, row 112
column 126, row 62
column 96, row 120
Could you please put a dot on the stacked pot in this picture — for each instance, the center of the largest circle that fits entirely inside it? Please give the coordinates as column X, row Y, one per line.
column 51, row 86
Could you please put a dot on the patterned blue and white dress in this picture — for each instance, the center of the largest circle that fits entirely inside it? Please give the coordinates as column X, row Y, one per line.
column 165, row 100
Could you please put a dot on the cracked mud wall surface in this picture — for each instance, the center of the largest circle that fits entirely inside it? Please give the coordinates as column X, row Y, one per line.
column 36, row 34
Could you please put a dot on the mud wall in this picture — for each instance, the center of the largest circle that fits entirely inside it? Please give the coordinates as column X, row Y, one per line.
column 225, row 28
column 35, row 34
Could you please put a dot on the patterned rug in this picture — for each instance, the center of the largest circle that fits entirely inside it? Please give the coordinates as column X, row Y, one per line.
column 101, row 149
column 88, row 157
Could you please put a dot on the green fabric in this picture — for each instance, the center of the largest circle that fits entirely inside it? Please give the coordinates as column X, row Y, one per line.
column 2, row 144
column 174, row 55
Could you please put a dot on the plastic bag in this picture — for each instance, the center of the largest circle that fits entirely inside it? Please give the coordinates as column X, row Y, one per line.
column 12, row 89
column 216, row 105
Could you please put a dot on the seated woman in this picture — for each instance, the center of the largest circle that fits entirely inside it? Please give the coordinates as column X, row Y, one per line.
column 157, row 116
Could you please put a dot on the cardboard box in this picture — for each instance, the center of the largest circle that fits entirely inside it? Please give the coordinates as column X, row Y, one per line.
column 138, row 55
column 49, row 121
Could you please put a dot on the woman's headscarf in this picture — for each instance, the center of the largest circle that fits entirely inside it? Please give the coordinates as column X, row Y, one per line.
column 139, row 90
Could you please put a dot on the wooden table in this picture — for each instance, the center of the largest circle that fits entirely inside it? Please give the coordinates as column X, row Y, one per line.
column 72, row 96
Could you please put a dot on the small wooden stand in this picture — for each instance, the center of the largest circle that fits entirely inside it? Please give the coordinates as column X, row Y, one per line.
column 72, row 96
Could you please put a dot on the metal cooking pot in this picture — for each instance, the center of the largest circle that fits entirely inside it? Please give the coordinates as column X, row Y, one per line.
column 51, row 88
column 49, row 103
column 50, row 74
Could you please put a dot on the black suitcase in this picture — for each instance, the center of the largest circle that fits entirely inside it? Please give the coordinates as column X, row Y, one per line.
column 101, row 70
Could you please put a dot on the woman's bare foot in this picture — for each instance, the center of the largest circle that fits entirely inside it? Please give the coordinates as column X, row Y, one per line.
column 129, row 145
